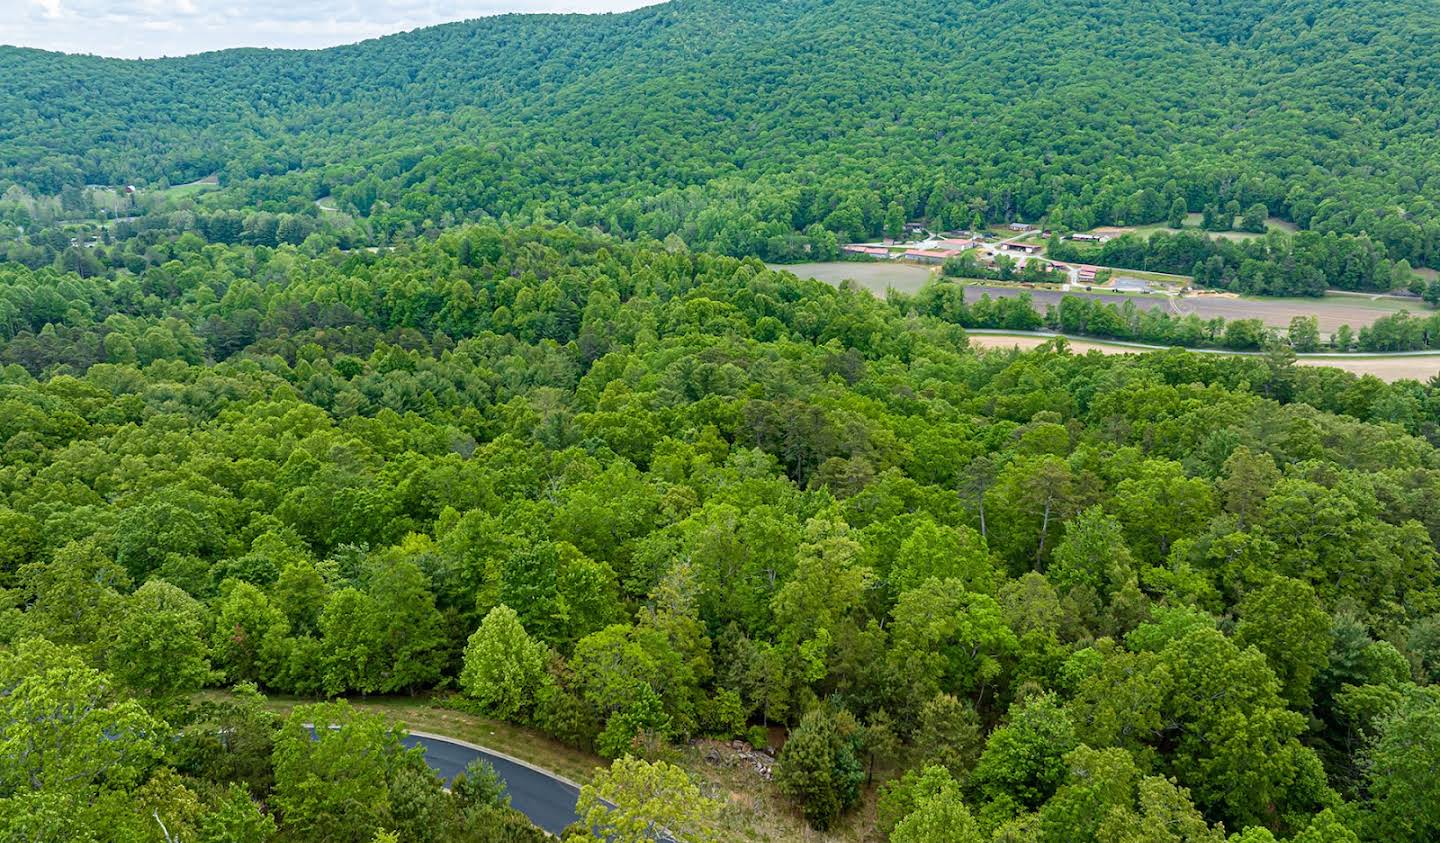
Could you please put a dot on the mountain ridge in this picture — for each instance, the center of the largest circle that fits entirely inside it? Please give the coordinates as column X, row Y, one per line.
column 1324, row 111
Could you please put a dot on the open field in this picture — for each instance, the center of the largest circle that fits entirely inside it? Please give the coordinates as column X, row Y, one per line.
column 181, row 191
column 1388, row 368
column 876, row 277
column 1330, row 311
column 1192, row 223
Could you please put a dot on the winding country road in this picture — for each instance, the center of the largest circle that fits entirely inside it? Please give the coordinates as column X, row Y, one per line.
column 547, row 799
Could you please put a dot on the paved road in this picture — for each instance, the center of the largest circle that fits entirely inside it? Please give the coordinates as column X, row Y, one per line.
column 548, row 801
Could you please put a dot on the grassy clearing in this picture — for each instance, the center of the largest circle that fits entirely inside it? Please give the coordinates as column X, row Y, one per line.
column 1192, row 223
column 186, row 191
column 1159, row 277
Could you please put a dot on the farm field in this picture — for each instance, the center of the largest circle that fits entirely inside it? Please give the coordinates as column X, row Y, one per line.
column 1331, row 311
column 876, row 277
column 1387, row 368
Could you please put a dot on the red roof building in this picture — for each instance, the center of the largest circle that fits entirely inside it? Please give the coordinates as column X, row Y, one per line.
column 931, row 255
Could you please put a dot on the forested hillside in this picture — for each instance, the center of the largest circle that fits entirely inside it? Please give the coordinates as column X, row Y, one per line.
column 630, row 496
column 766, row 126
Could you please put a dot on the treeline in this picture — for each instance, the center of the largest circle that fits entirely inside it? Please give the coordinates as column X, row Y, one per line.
column 1006, row 268
column 1080, row 315
column 1279, row 264
column 629, row 496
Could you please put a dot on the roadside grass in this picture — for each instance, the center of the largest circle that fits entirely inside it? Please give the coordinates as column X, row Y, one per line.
column 753, row 809
column 426, row 714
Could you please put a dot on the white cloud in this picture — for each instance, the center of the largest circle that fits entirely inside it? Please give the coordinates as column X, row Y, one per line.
column 148, row 28
column 50, row 9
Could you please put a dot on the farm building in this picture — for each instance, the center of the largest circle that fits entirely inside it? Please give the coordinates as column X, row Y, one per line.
column 1091, row 238
column 872, row 251
column 957, row 243
column 931, row 255
column 1025, row 248
column 1021, row 226
column 1087, row 273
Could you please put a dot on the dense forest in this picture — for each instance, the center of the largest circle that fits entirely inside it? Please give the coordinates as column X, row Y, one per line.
column 629, row 496
column 447, row 369
column 773, row 127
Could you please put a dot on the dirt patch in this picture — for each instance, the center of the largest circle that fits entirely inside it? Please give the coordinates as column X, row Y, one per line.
column 1388, row 369
column 1002, row 341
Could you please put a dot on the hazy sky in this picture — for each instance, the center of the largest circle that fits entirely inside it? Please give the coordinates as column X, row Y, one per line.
column 148, row 28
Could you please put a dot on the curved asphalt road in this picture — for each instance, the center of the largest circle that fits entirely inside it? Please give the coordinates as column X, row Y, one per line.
column 548, row 800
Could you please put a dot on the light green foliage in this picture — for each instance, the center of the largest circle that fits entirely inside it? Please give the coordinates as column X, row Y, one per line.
column 75, row 597
column 1238, row 732
column 1106, row 798
column 633, row 800
column 826, row 587
column 949, row 735
column 1023, row 762
column 933, row 551
column 351, row 644
column 248, row 635
column 940, row 817
column 62, row 726
column 236, row 819
column 1158, row 505
column 335, row 785
column 504, row 667
column 159, row 648
column 1093, row 553
column 1285, row 621
column 1403, row 777
column 410, row 639
column 944, row 637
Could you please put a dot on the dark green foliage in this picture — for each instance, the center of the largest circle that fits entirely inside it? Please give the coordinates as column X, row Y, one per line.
column 819, row 769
